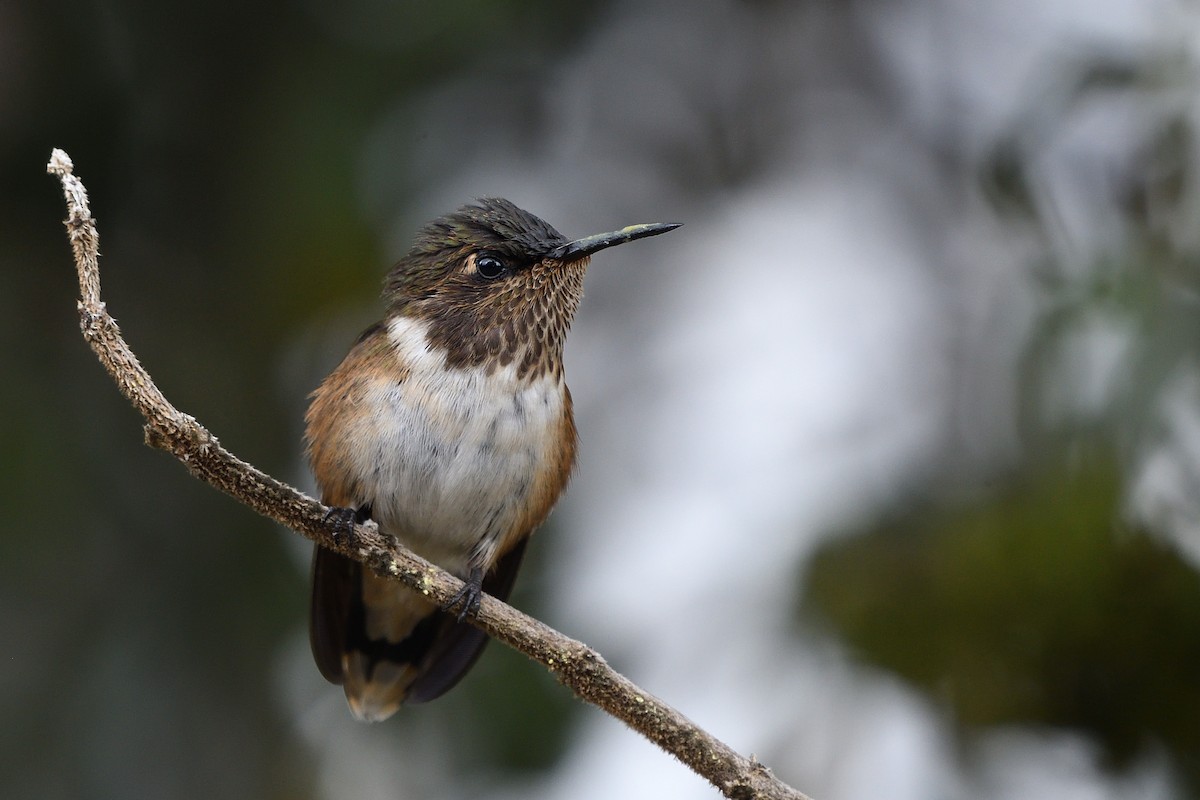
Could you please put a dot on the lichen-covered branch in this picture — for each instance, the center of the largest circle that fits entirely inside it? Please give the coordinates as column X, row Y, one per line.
column 575, row 664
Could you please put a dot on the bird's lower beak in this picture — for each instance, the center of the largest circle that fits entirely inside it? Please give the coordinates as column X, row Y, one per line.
column 581, row 248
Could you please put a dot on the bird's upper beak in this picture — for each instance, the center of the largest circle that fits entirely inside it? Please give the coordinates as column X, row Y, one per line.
column 581, row 248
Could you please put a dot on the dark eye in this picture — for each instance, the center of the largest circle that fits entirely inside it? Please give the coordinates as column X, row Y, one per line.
column 489, row 266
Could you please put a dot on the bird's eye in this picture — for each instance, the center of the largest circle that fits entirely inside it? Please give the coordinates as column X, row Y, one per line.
column 489, row 266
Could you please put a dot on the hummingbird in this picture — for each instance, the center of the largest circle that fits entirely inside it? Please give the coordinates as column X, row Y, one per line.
column 449, row 424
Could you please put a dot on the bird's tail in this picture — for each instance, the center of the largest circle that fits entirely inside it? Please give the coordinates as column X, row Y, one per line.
column 385, row 643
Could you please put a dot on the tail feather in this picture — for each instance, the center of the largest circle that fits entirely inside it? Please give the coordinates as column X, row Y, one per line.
column 384, row 643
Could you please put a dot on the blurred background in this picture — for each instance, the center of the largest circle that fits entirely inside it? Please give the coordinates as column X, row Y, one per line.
column 890, row 466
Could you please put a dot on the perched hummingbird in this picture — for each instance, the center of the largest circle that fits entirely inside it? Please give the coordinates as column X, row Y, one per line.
column 449, row 424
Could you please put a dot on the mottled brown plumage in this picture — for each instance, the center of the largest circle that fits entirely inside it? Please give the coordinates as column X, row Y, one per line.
column 449, row 424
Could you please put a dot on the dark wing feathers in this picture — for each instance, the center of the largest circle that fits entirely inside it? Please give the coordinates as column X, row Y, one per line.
column 334, row 582
column 459, row 644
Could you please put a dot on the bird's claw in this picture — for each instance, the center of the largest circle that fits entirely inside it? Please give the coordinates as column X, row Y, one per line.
column 344, row 520
column 469, row 597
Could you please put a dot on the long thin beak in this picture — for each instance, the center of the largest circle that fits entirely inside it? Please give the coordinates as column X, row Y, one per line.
column 580, row 248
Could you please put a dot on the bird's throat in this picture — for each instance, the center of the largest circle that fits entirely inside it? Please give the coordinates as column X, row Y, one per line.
column 524, row 323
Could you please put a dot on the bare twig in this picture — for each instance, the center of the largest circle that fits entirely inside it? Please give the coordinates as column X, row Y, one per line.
column 575, row 664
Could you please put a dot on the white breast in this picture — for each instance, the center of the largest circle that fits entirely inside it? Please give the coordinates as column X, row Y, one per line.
column 456, row 451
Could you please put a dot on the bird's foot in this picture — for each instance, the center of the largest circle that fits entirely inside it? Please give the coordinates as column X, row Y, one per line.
column 468, row 597
column 344, row 520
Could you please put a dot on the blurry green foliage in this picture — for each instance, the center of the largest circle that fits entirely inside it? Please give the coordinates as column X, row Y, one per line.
column 1033, row 606
column 512, row 716
column 1035, row 602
